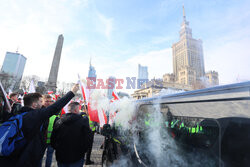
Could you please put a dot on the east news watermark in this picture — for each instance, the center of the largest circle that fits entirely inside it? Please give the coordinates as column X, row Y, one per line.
column 117, row 83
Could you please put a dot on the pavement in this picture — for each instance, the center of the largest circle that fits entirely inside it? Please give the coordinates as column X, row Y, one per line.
column 96, row 154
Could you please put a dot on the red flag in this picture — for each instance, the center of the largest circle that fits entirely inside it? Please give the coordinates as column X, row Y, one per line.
column 63, row 112
column 56, row 96
column 93, row 114
column 115, row 95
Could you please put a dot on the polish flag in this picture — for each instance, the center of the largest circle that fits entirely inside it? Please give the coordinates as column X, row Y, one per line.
column 84, row 90
column 102, row 118
column 56, row 96
column 50, row 92
column 93, row 114
column 115, row 95
column 24, row 92
column 65, row 109
column 98, row 116
column 112, row 114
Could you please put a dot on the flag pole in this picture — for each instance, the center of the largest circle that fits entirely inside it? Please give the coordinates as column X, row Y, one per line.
column 85, row 108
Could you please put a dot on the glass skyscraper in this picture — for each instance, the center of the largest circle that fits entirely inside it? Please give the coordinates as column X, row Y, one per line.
column 111, row 86
column 92, row 74
column 14, row 64
column 142, row 75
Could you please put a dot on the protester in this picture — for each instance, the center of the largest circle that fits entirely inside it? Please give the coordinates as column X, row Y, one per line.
column 71, row 137
column 47, row 101
column 34, row 130
column 13, row 98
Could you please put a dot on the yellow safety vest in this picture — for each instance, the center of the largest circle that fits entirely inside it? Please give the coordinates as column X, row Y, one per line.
column 50, row 128
column 92, row 125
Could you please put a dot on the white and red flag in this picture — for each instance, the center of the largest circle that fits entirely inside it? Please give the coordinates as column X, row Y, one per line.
column 50, row 92
column 115, row 95
column 84, row 90
column 112, row 113
column 24, row 92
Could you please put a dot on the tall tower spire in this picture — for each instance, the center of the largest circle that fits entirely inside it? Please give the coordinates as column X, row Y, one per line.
column 90, row 62
column 184, row 15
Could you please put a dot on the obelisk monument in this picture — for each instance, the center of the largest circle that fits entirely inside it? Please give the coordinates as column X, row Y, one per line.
column 51, row 84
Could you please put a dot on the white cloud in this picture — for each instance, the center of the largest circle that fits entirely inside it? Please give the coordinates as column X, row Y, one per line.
column 34, row 30
column 107, row 25
column 159, row 62
column 231, row 60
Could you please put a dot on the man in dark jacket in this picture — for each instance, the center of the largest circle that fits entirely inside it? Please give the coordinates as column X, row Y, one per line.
column 33, row 129
column 70, row 138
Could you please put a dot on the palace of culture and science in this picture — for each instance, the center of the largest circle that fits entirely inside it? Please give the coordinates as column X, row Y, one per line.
column 188, row 67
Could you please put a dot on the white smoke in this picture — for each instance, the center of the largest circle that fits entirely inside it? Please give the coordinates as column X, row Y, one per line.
column 169, row 91
column 126, row 109
column 158, row 145
column 123, row 108
column 99, row 100
column 162, row 146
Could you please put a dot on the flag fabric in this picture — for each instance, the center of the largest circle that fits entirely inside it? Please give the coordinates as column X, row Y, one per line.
column 93, row 114
column 112, row 114
column 102, row 117
column 84, row 90
column 50, row 92
column 115, row 95
column 56, row 96
column 32, row 87
column 65, row 109
column 24, row 92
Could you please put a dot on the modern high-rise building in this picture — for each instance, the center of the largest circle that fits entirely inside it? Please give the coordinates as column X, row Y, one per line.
column 14, row 64
column 92, row 75
column 142, row 74
column 188, row 61
column 111, row 86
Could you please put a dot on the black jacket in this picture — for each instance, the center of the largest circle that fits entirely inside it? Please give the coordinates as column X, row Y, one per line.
column 33, row 121
column 70, row 138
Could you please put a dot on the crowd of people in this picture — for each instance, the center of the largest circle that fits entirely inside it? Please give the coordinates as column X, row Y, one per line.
column 45, row 129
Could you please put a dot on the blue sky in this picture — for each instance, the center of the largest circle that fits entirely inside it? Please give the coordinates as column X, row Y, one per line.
column 118, row 35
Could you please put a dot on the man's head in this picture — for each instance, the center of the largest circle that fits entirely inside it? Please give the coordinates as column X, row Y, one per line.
column 33, row 100
column 13, row 96
column 84, row 107
column 47, row 100
column 74, row 108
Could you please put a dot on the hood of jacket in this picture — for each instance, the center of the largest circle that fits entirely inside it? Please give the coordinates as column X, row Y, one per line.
column 70, row 118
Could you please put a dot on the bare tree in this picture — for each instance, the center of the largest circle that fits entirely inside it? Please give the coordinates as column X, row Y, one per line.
column 8, row 81
column 25, row 83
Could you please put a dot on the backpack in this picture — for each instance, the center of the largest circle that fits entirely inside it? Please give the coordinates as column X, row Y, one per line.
column 11, row 135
